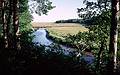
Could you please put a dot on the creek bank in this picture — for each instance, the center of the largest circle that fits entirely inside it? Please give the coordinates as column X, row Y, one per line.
column 62, row 42
column 42, row 38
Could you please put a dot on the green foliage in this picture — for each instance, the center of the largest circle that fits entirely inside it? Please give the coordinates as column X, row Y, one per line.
column 26, row 38
column 25, row 20
column 94, row 8
column 40, row 6
column 23, row 5
column 25, row 17
column 98, row 36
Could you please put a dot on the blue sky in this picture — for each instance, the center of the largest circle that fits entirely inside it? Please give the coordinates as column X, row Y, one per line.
column 65, row 9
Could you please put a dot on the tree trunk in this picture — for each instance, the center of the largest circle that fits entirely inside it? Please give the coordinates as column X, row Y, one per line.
column 112, row 64
column 15, row 22
column 4, row 24
column 8, row 24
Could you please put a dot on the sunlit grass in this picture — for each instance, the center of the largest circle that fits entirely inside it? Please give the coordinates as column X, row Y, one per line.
column 64, row 31
column 60, row 30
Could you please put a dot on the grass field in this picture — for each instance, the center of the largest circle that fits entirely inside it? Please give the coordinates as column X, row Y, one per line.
column 61, row 29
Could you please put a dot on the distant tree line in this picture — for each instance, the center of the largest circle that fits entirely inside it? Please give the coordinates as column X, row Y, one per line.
column 90, row 21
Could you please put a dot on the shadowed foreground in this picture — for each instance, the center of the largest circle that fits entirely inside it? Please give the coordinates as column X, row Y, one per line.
column 34, row 61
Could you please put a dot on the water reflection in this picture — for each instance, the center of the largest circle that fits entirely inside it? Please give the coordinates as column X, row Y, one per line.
column 40, row 37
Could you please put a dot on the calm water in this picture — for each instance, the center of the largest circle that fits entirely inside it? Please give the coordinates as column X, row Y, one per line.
column 40, row 37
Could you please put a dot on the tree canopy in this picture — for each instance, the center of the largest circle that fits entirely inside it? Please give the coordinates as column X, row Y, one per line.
column 94, row 8
column 105, row 15
column 40, row 6
column 16, row 13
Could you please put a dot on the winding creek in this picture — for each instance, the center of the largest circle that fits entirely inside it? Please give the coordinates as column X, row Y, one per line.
column 41, row 38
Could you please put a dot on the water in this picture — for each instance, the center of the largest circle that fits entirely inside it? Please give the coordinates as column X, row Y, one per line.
column 40, row 37
column 68, row 50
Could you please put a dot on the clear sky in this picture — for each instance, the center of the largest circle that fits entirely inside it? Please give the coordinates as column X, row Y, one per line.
column 65, row 9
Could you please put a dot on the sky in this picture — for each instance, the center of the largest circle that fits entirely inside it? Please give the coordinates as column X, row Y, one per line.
column 65, row 9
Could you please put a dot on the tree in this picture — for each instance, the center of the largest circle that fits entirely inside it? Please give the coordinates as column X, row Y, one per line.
column 4, row 25
column 103, row 8
column 94, row 8
column 40, row 6
column 11, row 9
column 25, row 17
column 15, row 22
column 112, row 65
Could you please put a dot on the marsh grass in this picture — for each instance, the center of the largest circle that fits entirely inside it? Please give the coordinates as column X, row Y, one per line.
column 60, row 30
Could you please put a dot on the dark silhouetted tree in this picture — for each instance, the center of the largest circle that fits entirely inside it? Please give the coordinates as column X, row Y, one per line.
column 112, row 65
